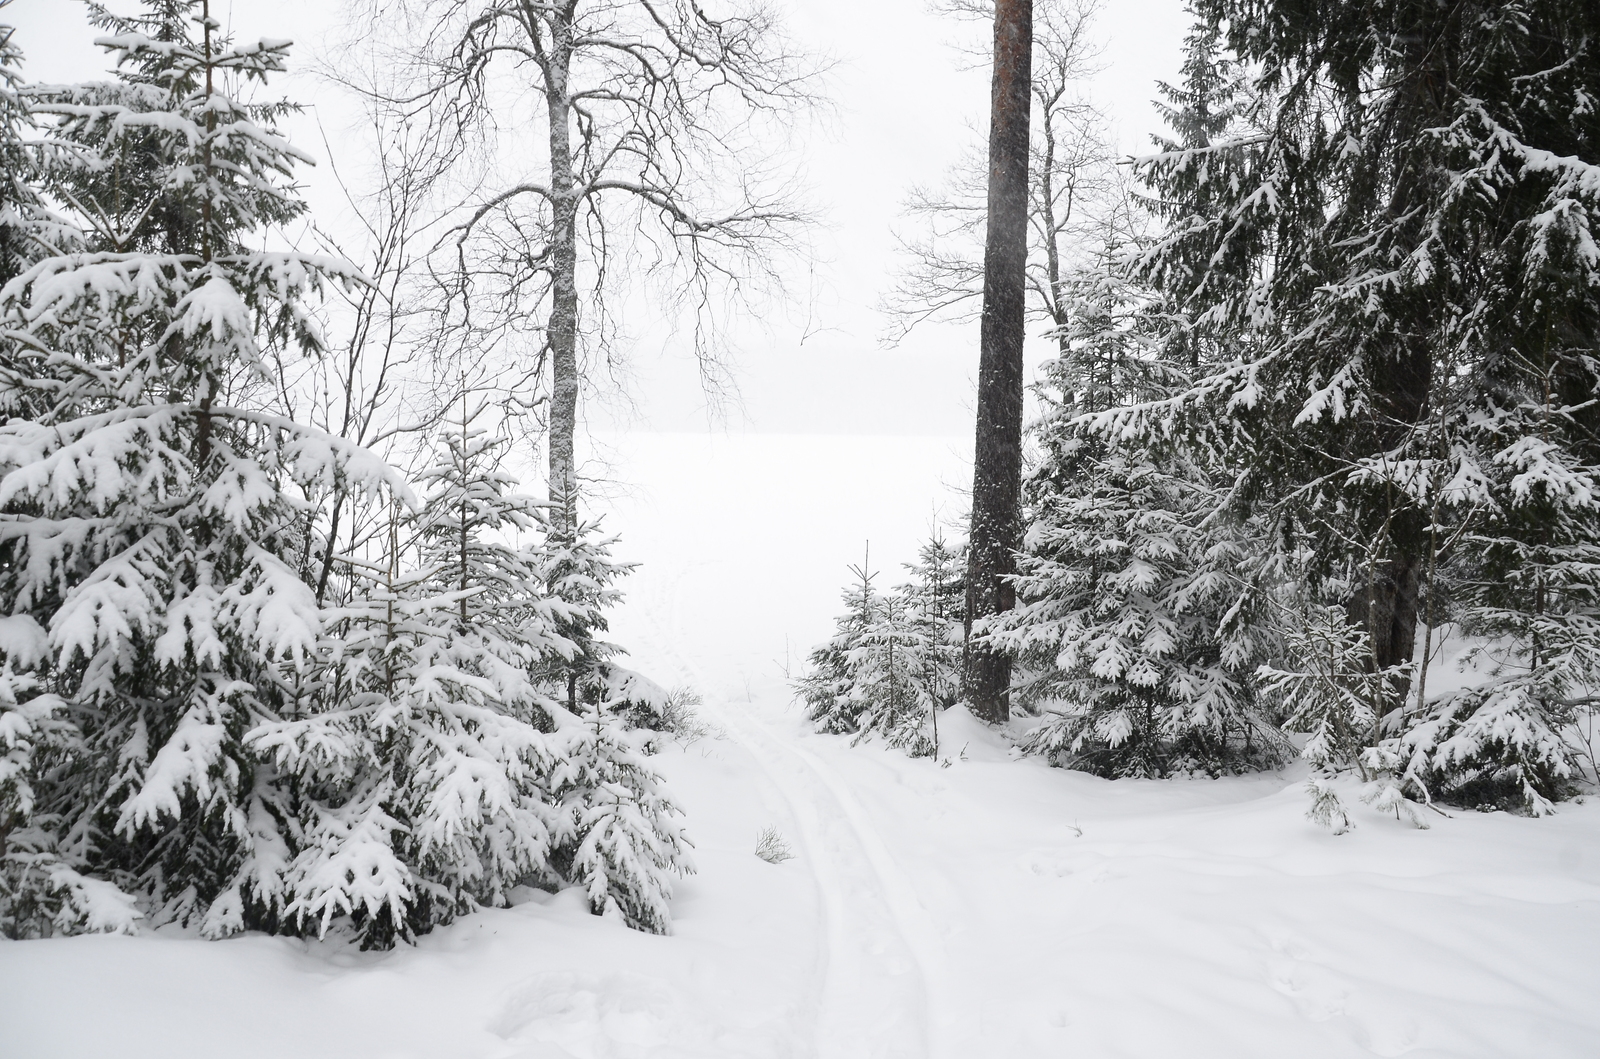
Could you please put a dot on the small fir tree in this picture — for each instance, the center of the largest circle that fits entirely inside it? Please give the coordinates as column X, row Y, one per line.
column 934, row 598
column 829, row 687
column 626, row 848
column 1137, row 627
column 1524, row 576
column 888, row 675
column 424, row 762
column 895, row 660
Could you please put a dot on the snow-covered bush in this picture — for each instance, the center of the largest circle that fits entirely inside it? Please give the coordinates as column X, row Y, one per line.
column 674, row 712
column 417, row 750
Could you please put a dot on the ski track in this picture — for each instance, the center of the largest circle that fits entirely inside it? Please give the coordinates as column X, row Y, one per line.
column 882, row 987
column 883, row 983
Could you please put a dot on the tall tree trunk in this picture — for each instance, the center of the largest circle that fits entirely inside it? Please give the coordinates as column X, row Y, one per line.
column 1388, row 608
column 1403, row 381
column 563, row 328
column 997, row 460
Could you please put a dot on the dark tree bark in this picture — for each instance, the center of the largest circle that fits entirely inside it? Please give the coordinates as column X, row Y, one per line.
column 997, row 460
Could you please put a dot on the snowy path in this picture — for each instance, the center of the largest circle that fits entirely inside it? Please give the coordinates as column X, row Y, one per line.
column 884, row 978
column 994, row 908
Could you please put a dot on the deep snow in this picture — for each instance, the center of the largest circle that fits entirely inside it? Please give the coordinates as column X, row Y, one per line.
column 993, row 907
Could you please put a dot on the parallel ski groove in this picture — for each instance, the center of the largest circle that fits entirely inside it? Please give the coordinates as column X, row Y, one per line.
column 870, row 1007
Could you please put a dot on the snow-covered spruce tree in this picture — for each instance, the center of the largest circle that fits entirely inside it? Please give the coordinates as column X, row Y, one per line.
column 1398, row 252
column 934, row 598
column 1332, row 695
column 1137, row 623
column 581, row 578
column 150, row 585
column 625, row 847
column 895, row 659
column 31, row 730
column 1524, row 575
column 888, row 675
column 421, row 753
column 829, row 687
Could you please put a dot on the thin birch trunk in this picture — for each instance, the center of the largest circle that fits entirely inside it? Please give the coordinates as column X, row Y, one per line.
column 563, row 327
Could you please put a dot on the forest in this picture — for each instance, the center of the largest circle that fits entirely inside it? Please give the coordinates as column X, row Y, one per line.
column 1278, row 545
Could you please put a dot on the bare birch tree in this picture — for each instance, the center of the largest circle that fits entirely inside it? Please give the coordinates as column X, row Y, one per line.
column 607, row 139
column 372, row 386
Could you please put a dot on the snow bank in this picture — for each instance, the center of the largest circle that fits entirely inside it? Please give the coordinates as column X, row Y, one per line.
column 985, row 908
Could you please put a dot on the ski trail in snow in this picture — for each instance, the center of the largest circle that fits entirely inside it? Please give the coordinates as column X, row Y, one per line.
column 659, row 639
column 883, row 981
column 917, row 926
column 883, row 992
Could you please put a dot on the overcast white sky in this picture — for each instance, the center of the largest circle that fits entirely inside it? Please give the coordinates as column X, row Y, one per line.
column 701, row 512
column 905, row 109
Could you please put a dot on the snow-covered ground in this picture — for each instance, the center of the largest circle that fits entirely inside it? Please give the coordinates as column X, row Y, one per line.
column 993, row 907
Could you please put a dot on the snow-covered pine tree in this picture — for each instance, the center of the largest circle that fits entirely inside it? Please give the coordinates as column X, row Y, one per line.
column 625, row 847
column 895, row 659
column 422, row 757
column 829, row 687
column 934, row 599
column 439, row 766
column 581, row 578
column 1392, row 256
column 32, row 728
column 1524, row 576
column 1136, row 627
column 150, row 588
column 888, row 675
column 1331, row 694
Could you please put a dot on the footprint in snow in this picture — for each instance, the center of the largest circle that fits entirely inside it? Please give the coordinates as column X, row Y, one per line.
column 619, row 1015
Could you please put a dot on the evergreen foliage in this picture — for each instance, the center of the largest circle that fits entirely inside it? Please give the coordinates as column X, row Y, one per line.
column 934, row 599
column 888, row 671
column 1340, row 399
column 420, row 753
column 1138, row 619
column 1379, row 232
column 829, row 687
column 151, row 535
column 895, row 660
column 190, row 732
column 627, row 846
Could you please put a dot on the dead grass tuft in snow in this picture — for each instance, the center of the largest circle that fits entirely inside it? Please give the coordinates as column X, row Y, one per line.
column 771, row 847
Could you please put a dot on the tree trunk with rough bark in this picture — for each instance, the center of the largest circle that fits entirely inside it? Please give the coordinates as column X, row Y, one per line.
column 562, row 333
column 997, row 460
